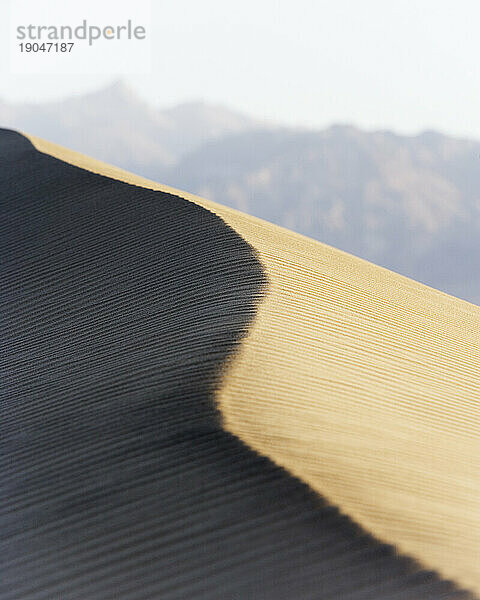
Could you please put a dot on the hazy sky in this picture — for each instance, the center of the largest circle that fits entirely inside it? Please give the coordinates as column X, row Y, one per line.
column 404, row 65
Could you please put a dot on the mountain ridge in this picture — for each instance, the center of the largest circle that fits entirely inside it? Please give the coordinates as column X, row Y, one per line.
column 408, row 203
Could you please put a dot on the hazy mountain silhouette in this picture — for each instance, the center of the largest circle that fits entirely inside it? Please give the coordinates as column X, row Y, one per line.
column 116, row 126
column 411, row 204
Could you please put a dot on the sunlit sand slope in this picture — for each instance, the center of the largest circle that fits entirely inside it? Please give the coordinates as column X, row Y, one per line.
column 359, row 382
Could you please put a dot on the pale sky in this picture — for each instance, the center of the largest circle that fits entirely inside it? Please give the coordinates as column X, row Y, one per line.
column 402, row 65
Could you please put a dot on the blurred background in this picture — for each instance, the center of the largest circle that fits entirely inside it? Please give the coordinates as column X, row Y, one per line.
column 355, row 123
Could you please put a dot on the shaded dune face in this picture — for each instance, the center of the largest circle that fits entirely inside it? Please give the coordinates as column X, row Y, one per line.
column 122, row 307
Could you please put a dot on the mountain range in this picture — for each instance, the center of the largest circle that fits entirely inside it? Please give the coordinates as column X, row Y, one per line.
column 408, row 203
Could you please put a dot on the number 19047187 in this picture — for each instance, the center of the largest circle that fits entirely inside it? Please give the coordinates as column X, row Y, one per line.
column 46, row 47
